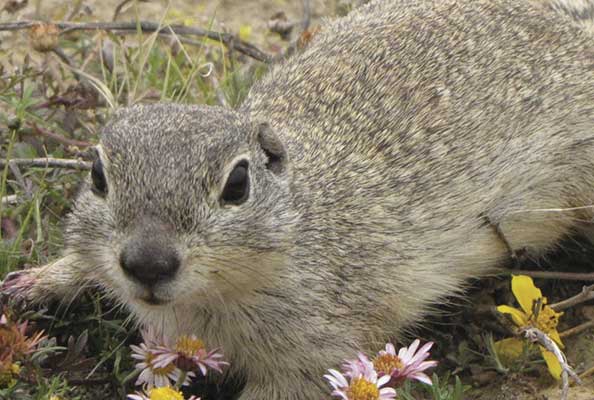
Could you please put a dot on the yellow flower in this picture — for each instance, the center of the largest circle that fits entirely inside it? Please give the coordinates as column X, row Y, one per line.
column 245, row 31
column 534, row 313
column 177, row 16
column 15, row 369
column 166, row 393
column 161, row 393
column 8, row 372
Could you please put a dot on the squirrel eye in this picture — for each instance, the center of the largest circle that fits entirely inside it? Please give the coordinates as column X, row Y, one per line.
column 237, row 186
column 98, row 178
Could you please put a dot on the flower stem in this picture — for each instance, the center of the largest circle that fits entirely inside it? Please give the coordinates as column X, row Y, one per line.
column 181, row 379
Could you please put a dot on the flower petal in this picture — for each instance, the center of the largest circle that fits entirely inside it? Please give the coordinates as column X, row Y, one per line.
column 421, row 377
column 340, row 393
column 145, row 376
column 525, row 291
column 426, row 364
column 383, row 380
column 422, row 353
column 202, row 368
column 336, row 379
column 161, row 380
column 406, row 353
column 552, row 362
column 519, row 318
column 163, row 360
column 137, row 396
column 387, row 394
column 509, row 349
column 390, row 349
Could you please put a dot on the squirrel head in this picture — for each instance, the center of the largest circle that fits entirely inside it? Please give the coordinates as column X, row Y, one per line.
column 183, row 203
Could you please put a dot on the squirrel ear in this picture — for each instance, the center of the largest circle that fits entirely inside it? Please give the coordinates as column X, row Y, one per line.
column 273, row 147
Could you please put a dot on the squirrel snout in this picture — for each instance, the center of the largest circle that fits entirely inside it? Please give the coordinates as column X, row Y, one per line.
column 149, row 261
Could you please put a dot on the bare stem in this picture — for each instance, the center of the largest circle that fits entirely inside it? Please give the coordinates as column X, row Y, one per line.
column 577, row 329
column 119, row 8
column 587, row 373
column 221, row 99
column 538, row 336
column 586, row 294
column 306, row 15
column 9, row 200
column 567, row 276
column 231, row 41
column 59, row 138
column 48, row 163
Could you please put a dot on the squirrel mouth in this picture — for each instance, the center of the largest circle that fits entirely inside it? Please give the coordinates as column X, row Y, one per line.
column 153, row 300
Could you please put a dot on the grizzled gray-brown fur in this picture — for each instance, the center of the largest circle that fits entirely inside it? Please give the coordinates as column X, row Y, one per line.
column 580, row 12
column 359, row 183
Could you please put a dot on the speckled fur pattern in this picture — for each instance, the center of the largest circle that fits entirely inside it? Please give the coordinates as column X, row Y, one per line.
column 411, row 129
column 580, row 12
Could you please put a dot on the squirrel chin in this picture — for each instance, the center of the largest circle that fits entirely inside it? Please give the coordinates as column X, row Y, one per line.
column 153, row 300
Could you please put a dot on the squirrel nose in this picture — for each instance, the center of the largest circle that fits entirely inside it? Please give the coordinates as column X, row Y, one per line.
column 149, row 261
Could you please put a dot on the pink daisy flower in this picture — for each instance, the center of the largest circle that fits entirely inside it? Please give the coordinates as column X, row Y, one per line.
column 188, row 353
column 363, row 382
column 407, row 364
column 153, row 375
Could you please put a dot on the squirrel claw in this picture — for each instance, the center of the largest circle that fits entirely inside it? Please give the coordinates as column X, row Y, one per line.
column 15, row 287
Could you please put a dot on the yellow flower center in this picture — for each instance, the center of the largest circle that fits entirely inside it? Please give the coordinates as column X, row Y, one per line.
column 165, row 393
column 15, row 369
column 188, row 346
column 387, row 363
column 362, row 389
column 546, row 320
column 166, row 370
column 7, row 374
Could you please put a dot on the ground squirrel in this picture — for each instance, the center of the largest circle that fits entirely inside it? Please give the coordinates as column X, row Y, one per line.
column 359, row 183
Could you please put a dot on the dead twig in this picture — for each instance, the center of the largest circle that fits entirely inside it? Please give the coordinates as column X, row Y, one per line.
column 577, row 329
column 535, row 335
column 499, row 232
column 75, row 9
column 47, row 163
column 284, row 28
column 9, row 200
column 281, row 26
column 586, row 294
column 306, row 15
column 221, row 98
column 567, row 276
column 119, row 8
column 89, row 382
column 231, row 41
column 587, row 373
column 66, row 60
column 59, row 138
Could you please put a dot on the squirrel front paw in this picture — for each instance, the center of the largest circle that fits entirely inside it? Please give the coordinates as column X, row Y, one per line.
column 19, row 287
column 59, row 280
